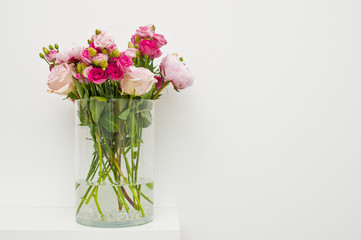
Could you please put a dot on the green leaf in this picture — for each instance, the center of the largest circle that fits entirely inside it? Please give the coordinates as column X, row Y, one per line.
column 109, row 125
column 86, row 96
column 147, row 118
column 96, row 108
column 101, row 99
column 124, row 115
column 150, row 185
column 79, row 88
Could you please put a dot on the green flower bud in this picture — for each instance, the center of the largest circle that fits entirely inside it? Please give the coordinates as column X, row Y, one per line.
column 81, row 67
column 51, row 47
column 89, row 41
column 130, row 45
column 92, row 51
column 103, row 64
column 181, row 59
column 138, row 53
column 78, row 68
column 96, row 63
column 41, row 55
column 137, row 38
column 116, row 53
column 104, row 51
column 97, row 32
column 46, row 51
column 56, row 46
column 111, row 54
column 153, row 28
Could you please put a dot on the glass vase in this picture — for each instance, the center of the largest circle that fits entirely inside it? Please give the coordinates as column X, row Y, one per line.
column 114, row 161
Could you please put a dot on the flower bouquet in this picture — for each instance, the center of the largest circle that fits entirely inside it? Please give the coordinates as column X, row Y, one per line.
column 114, row 92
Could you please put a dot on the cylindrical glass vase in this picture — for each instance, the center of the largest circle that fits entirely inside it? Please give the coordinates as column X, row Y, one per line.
column 114, row 161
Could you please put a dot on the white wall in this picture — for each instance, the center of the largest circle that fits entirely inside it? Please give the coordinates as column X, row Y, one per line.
column 265, row 145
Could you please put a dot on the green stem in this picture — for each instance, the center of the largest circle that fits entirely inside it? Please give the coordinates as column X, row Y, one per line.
column 146, row 198
column 161, row 89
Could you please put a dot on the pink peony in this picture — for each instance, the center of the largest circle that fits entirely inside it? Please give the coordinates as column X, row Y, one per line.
column 131, row 52
column 85, row 56
column 97, row 76
column 60, row 79
column 174, row 70
column 100, row 56
column 137, row 81
column 148, row 47
column 51, row 56
column 159, row 40
column 145, row 31
column 115, row 72
column 103, row 40
column 124, row 62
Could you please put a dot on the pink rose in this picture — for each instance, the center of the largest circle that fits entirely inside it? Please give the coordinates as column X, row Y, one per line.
column 124, row 62
column 100, row 56
column 145, row 31
column 131, row 52
column 115, row 72
column 51, row 56
column 103, row 40
column 85, row 56
column 159, row 83
column 174, row 70
column 60, row 79
column 148, row 47
column 159, row 40
column 97, row 76
column 137, row 81
column 112, row 47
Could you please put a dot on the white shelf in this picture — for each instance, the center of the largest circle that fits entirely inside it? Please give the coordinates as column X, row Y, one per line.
column 59, row 224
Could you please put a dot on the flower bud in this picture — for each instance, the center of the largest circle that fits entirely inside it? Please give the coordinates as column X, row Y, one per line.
column 138, row 53
column 41, row 55
column 116, row 53
column 181, row 59
column 96, row 63
column 103, row 64
column 56, row 46
column 81, row 67
column 89, row 41
column 153, row 27
column 46, row 51
column 111, row 54
column 92, row 51
column 104, row 51
column 130, row 45
column 137, row 38
column 97, row 32
column 51, row 47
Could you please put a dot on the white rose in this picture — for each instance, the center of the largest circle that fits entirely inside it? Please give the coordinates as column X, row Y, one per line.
column 60, row 79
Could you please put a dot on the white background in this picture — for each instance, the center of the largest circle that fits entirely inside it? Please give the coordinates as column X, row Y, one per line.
column 265, row 145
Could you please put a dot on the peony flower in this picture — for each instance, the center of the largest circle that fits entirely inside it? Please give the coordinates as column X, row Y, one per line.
column 159, row 40
column 97, row 76
column 51, row 56
column 85, row 56
column 60, row 79
column 115, row 72
column 103, row 40
column 146, row 31
column 172, row 69
column 100, row 56
column 137, row 81
column 124, row 62
column 131, row 52
column 148, row 47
